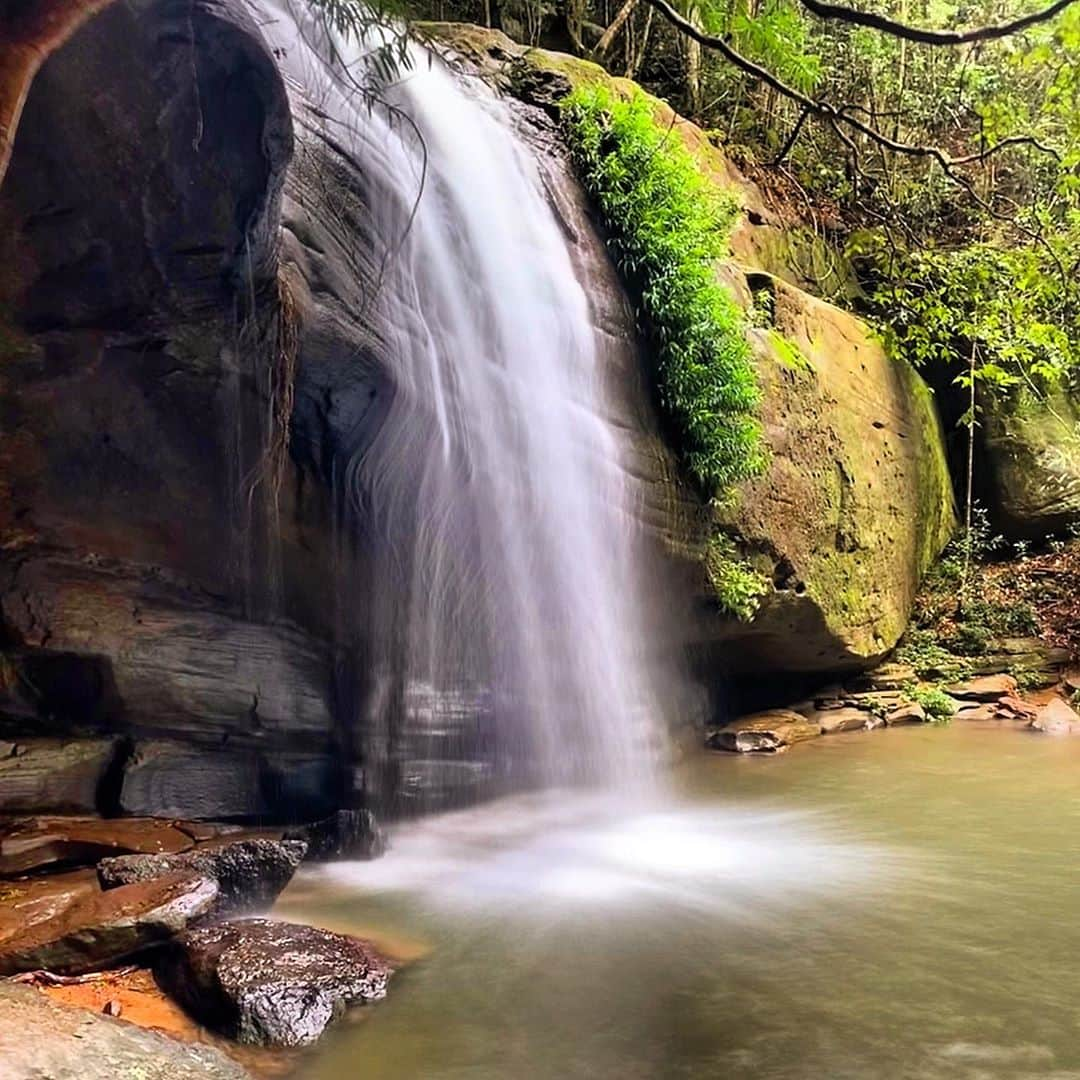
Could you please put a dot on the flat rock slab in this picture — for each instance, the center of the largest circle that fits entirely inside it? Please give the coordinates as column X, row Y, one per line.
column 846, row 718
column 106, row 927
column 45, row 1040
column 54, row 775
column 271, row 983
column 984, row 688
column 764, row 732
column 33, row 900
column 909, row 713
column 250, row 873
column 37, row 843
column 1057, row 717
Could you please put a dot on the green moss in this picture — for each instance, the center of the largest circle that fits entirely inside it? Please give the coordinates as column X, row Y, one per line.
column 668, row 228
column 736, row 585
column 788, row 353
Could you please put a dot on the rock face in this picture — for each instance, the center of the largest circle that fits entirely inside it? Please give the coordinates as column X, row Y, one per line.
column 856, row 502
column 1032, row 453
column 55, row 775
column 104, row 928
column 272, row 983
column 249, row 873
column 163, row 566
column 42, row 1039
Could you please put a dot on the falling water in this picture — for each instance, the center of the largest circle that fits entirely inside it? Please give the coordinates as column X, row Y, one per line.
column 509, row 569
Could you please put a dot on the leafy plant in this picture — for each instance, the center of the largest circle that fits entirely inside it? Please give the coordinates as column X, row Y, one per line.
column 938, row 705
column 668, row 228
column 737, row 586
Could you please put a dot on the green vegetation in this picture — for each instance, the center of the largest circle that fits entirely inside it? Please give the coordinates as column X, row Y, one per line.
column 669, row 227
column 1007, row 318
column 737, row 586
column 938, row 705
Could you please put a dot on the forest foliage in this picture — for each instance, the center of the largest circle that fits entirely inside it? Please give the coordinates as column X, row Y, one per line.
column 961, row 206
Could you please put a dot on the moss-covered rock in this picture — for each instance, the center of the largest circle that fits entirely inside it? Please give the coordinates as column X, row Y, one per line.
column 856, row 502
column 1032, row 457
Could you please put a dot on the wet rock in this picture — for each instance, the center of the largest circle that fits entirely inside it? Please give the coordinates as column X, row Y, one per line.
column 32, row 900
column 53, row 775
column 1057, row 717
column 764, row 732
column 40, row 843
column 105, row 928
column 249, row 873
column 47, row 1040
column 985, row 688
column 346, row 834
column 910, row 712
column 846, row 718
column 271, row 983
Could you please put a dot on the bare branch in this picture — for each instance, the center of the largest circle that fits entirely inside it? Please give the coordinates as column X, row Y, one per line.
column 829, row 112
column 933, row 37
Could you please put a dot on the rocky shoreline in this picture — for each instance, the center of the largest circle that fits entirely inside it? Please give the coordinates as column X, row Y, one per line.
column 893, row 695
column 154, row 922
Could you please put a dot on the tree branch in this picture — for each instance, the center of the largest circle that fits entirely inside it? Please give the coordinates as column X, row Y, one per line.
column 829, row 112
column 933, row 37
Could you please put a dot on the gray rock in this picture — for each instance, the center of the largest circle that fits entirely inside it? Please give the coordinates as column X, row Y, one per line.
column 249, row 873
column 53, row 775
column 105, row 928
column 45, row 1040
column 346, row 834
column 271, row 983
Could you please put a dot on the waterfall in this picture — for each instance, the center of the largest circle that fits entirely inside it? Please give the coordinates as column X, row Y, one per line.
column 509, row 609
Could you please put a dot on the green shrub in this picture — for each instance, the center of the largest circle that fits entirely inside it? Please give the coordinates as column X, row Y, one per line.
column 921, row 649
column 737, row 586
column 668, row 228
column 938, row 705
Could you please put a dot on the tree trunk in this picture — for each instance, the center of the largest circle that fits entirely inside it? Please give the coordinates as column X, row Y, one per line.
column 636, row 59
column 27, row 39
column 608, row 37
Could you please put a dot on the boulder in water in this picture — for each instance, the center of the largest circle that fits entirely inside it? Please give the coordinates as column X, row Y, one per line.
column 271, row 983
column 763, row 732
column 249, row 873
column 346, row 834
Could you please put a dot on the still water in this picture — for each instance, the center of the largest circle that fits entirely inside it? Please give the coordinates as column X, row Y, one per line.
column 895, row 904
